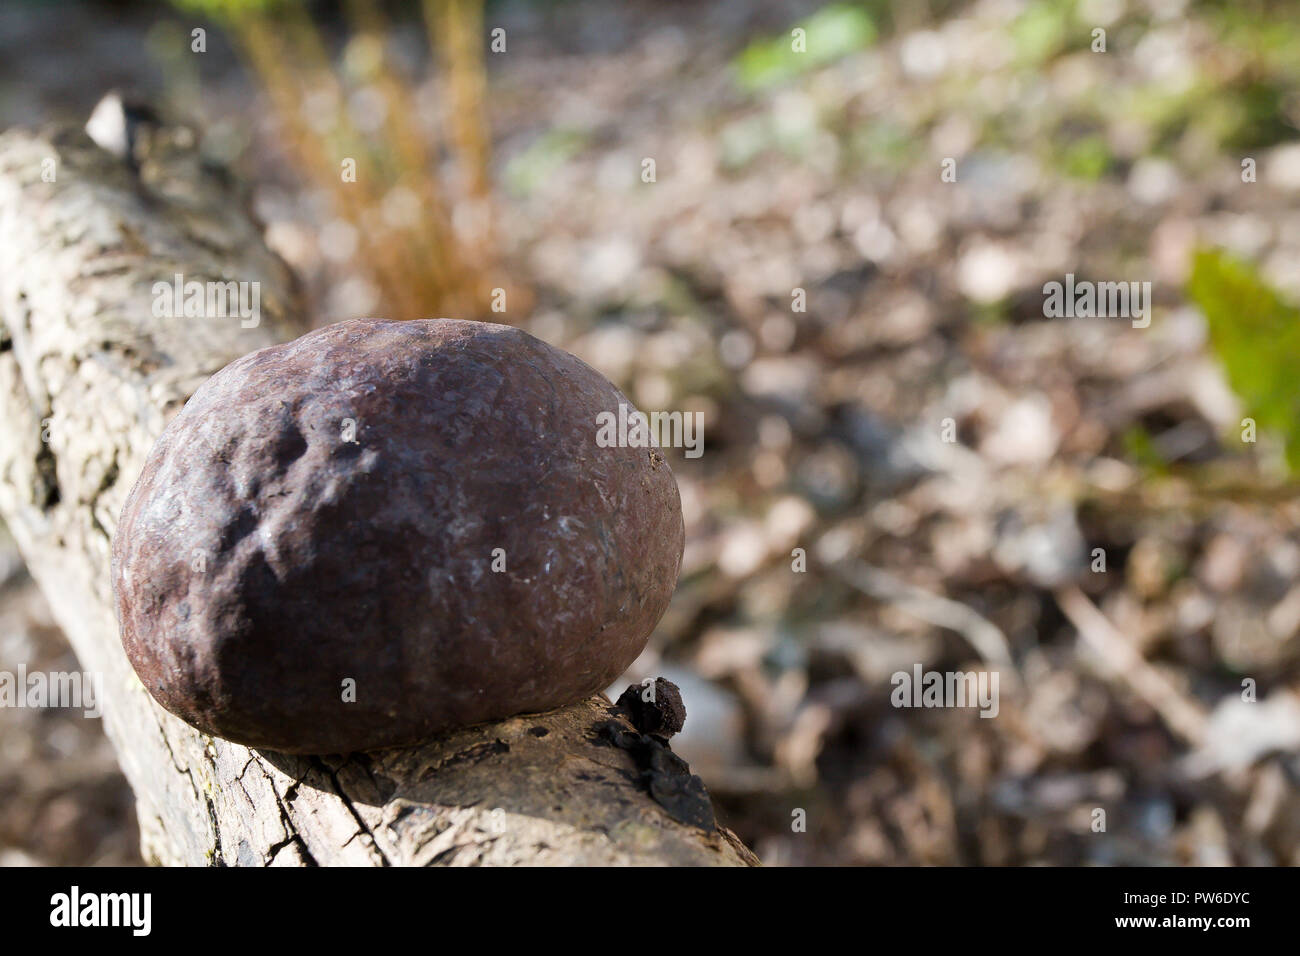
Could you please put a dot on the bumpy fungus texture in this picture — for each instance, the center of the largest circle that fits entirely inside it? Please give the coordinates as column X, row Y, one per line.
column 329, row 511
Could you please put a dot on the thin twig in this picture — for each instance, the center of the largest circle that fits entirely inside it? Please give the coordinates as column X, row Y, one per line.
column 1183, row 716
column 982, row 634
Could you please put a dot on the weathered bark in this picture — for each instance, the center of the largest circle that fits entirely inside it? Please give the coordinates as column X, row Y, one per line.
column 88, row 378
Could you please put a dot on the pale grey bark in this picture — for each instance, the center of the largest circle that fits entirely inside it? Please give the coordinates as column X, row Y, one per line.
column 88, row 378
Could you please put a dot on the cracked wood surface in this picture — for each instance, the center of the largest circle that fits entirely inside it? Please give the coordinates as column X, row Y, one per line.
column 88, row 378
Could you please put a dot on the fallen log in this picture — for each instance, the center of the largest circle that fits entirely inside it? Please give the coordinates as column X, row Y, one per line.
column 90, row 372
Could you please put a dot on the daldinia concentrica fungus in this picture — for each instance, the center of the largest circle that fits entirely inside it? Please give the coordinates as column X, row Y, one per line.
column 383, row 530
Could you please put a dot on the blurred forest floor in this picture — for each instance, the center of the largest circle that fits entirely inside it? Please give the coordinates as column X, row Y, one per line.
column 823, row 428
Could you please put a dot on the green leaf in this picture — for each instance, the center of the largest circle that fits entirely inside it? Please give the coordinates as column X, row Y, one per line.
column 1041, row 31
column 544, row 156
column 1088, row 158
column 227, row 9
column 829, row 34
column 1142, row 449
column 1256, row 335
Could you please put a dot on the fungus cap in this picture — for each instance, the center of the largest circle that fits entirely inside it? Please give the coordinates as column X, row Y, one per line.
column 383, row 530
